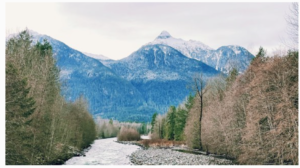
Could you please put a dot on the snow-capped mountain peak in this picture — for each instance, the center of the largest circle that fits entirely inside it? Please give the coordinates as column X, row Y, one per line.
column 185, row 47
column 164, row 35
column 236, row 49
column 221, row 59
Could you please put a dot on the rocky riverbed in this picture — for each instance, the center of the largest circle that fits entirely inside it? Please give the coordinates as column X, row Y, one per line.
column 112, row 152
column 156, row 156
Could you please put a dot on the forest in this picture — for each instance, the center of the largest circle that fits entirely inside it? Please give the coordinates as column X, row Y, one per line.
column 41, row 127
column 250, row 117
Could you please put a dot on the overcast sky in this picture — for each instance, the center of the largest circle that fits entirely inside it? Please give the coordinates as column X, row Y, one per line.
column 116, row 30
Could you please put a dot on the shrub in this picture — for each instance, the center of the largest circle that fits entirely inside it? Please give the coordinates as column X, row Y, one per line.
column 160, row 143
column 128, row 134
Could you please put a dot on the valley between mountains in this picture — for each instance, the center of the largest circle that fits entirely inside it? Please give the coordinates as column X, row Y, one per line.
column 197, row 105
column 193, row 96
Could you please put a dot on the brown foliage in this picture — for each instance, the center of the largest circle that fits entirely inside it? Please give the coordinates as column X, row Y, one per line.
column 271, row 131
column 191, row 130
column 128, row 134
column 160, row 143
column 256, row 120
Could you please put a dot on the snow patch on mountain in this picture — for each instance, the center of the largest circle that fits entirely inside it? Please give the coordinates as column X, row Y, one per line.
column 235, row 49
column 185, row 47
column 150, row 75
column 164, row 35
column 96, row 56
column 65, row 73
column 223, row 58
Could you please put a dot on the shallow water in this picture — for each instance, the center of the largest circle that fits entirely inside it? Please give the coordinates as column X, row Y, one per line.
column 105, row 152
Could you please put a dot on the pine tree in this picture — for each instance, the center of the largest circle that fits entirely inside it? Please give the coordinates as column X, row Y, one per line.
column 190, row 101
column 170, row 123
column 231, row 77
column 19, row 107
column 261, row 53
column 111, row 122
column 153, row 121
column 180, row 119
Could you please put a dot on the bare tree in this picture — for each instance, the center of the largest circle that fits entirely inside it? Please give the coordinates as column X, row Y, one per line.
column 200, row 90
column 292, row 20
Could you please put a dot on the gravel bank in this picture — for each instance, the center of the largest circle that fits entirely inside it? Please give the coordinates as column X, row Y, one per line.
column 170, row 157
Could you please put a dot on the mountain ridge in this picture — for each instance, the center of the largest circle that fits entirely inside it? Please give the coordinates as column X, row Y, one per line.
column 161, row 74
column 224, row 58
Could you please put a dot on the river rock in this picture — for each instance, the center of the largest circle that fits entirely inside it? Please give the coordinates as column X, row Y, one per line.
column 170, row 157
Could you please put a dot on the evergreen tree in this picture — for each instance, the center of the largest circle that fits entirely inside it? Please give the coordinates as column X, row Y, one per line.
column 153, row 121
column 190, row 101
column 19, row 108
column 143, row 129
column 231, row 77
column 170, row 123
column 261, row 53
column 111, row 122
column 44, row 48
column 180, row 119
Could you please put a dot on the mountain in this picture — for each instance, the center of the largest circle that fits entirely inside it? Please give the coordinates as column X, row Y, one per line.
column 161, row 74
column 108, row 95
column 149, row 80
column 222, row 59
column 96, row 56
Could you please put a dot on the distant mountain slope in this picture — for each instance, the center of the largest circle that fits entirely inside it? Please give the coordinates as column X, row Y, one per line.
column 161, row 74
column 108, row 95
column 222, row 59
column 96, row 56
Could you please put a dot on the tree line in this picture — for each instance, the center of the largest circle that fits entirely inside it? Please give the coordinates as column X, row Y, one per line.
column 108, row 128
column 41, row 127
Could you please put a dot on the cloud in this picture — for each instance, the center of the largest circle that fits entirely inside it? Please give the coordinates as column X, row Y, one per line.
column 118, row 29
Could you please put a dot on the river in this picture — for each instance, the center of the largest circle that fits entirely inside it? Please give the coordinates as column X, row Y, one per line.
column 105, row 152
